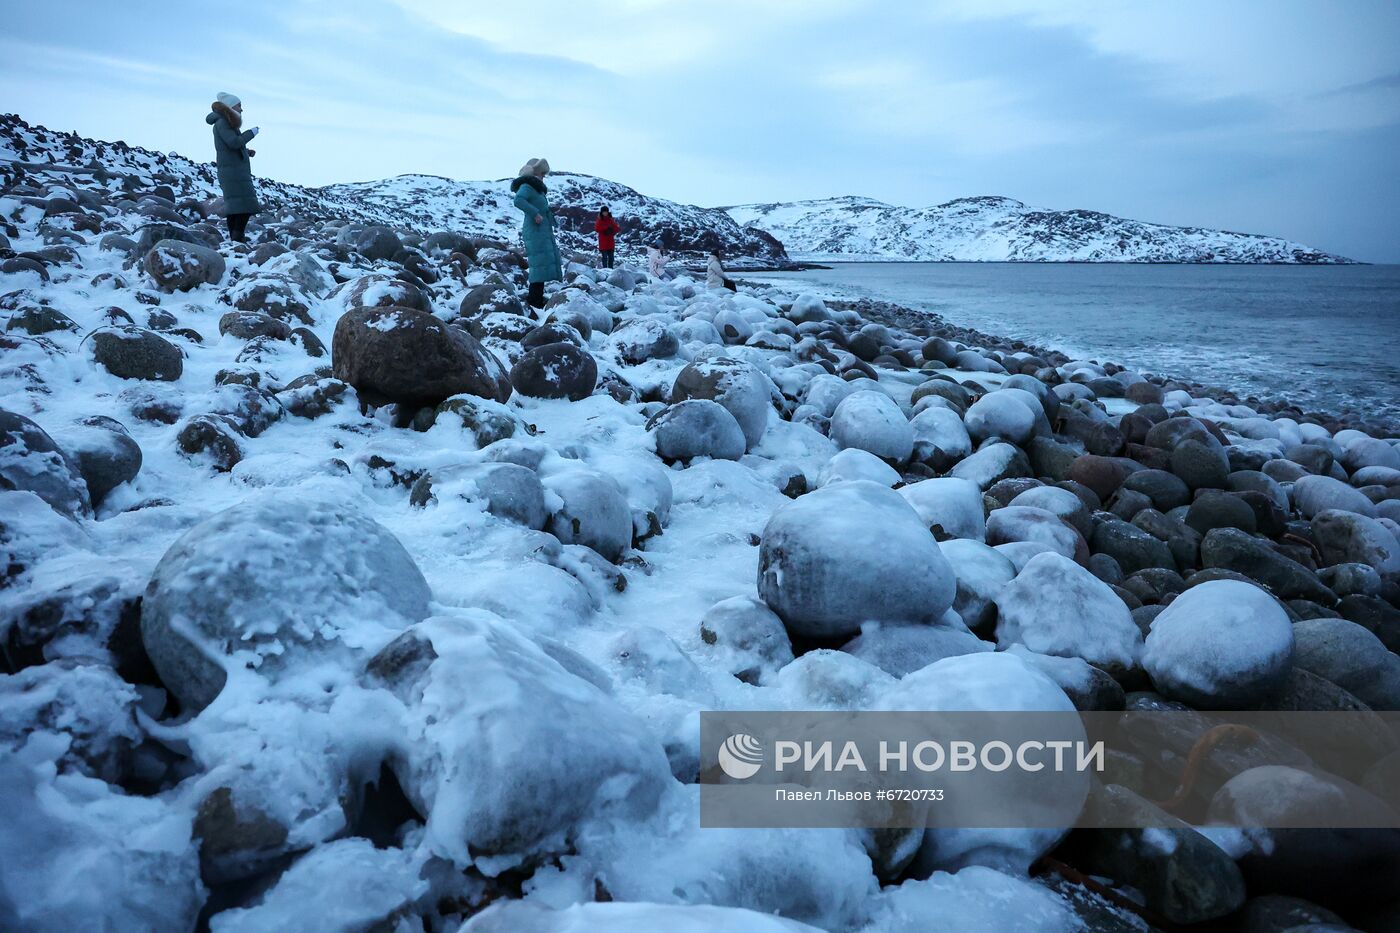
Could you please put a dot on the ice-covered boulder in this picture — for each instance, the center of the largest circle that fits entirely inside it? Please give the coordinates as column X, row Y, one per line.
column 736, row 385
column 981, row 572
column 1366, row 452
column 275, row 585
column 697, row 428
column 949, row 504
column 973, row 899
column 84, row 701
column 29, row 459
column 848, row 553
column 642, row 339
column 592, row 510
column 1028, row 523
column 505, row 750
column 1060, row 502
column 825, row 392
column 1224, row 644
column 993, row 463
column 817, row 876
column 1055, row 606
column 940, row 438
column 854, row 463
column 902, row 649
column 380, row 291
column 993, row 681
column 871, row 421
column 337, row 887
column 136, row 859
column 746, row 638
column 998, row 414
column 507, row 490
column 517, row 916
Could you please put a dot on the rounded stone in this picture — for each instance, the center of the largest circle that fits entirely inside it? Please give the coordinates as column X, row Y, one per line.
column 850, row 553
column 555, row 370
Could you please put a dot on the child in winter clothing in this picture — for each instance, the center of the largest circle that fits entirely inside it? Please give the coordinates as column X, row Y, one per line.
column 607, row 228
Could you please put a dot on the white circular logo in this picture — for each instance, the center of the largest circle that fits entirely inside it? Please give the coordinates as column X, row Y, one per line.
column 741, row 756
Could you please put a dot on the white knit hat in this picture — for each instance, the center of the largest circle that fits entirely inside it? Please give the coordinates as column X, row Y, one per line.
column 537, row 167
column 227, row 99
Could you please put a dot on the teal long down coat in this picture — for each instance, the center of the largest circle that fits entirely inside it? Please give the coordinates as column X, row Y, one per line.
column 234, row 165
column 540, row 248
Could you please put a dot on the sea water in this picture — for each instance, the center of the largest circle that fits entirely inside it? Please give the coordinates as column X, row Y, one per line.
column 1323, row 337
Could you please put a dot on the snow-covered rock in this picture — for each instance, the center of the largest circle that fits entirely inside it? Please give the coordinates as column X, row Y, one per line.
column 871, row 421
column 1054, row 606
column 276, row 584
column 1222, row 645
column 485, row 710
column 827, row 562
column 951, row 504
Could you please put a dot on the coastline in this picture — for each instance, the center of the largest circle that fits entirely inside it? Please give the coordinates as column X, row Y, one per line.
column 892, row 313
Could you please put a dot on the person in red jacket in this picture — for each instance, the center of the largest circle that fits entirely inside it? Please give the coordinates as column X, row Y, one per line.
column 606, row 228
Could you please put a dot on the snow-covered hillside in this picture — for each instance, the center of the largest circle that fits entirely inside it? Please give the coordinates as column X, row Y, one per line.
column 424, row 203
column 995, row 229
column 484, row 208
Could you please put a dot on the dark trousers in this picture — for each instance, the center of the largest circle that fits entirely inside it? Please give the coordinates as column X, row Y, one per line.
column 607, row 258
column 535, row 297
column 238, row 226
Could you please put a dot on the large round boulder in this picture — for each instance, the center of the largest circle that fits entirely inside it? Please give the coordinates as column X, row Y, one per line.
column 1224, row 644
column 949, row 507
column 131, row 352
column 697, row 428
column 592, row 511
column 642, row 339
column 736, row 385
column 377, row 242
column 1314, row 494
column 30, row 460
column 1056, row 607
column 409, row 356
column 1346, row 537
column 493, row 296
column 555, row 370
column 178, row 266
column 381, row 291
column 275, row 586
column 871, row 421
column 850, row 553
column 104, row 451
column 998, row 414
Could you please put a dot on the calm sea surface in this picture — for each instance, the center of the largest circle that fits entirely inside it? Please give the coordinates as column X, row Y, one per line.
column 1320, row 336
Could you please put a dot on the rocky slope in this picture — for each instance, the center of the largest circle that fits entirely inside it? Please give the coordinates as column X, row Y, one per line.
column 480, row 209
column 994, row 229
column 340, row 591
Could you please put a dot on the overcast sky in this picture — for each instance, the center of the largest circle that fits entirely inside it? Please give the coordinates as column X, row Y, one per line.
column 1266, row 116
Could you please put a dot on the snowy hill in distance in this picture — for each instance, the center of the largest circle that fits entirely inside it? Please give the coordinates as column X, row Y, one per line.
column 484, row 208
column 996, row 229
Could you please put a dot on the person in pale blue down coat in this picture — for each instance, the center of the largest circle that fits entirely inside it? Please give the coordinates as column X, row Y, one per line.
column 537, row 228
column 233, row 160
